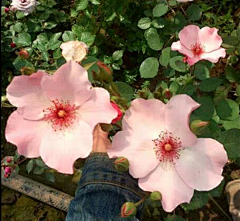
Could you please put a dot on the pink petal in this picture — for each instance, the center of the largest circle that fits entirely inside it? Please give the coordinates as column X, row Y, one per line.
column 189, row 36
column 166, row 180
column 25, row 134
column 147, row 115
column 138, row 149
column 178, row 111
column 209, row 38
column 177, row 46
column 194, row 60
column 214, row 55
column 201, row 166
column 60, row 149
column 98, row 108
column 70, row 82
column 26, row 92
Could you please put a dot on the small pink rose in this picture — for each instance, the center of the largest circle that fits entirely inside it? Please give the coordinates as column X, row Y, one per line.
column 199, row 44
column 25, row 6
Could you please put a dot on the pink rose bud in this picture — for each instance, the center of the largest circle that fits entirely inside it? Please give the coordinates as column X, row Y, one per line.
column 12, row 45
column 118, row 118
column 155, row 196
column 9, row 160
column 167, row 94
column 24, row 54
column 128, row 209
column 7, row 171
column 198, row 126
column 103, row 66
column 121, row 164
column 6, row 10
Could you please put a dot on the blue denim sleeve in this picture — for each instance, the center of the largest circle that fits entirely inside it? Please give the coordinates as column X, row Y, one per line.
column 102, row 191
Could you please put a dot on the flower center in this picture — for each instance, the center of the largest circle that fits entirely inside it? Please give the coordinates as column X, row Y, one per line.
column 167, row 146
column 60, row 114
column 197, row 49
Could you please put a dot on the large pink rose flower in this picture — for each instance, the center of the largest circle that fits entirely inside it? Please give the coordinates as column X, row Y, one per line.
column 199, row 44
column 163, row 152
column 56, row 115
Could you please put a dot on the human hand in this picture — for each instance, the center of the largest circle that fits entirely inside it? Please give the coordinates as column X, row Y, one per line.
column 100, row 140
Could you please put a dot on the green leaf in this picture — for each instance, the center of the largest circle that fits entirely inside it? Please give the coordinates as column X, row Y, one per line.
column 227, row 109
column 165, row 56
column 87, row 37
column 210, row 84
column 29, row 166
column 159, row 22
column 81, row 4
column 238, row 31
column 194, row 13
column 231, row 74
column 199, row 200
column 153, row 39
column 68, row 36
column 217, row 191
column 125, row 90
column 220, row 94
column 20, row 15
column 19, row 63
column 144, row 23
column 38, row 170
column 49, row 25
column 54, row 42
column 149, row 67
column 57, row 53
column 174, row 218
column 45, row 56
column 117, row 55
column 230, row 140
column 40, row 163
column 206, row 110
column 17, row 27
column 230, row 41
column 201, row 71
column 23, row 39
column 160, row 10
column 231, row 124
column 238, row 90
column 95, row 2
column 177, row 64
column 50, row 177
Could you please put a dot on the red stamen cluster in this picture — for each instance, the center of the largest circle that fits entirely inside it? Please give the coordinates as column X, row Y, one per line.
column 167, row 147
column 62, row 114
column 197, row 49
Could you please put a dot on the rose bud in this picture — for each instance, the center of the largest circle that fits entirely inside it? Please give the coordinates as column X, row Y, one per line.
column 167, row 94
column 9, row 160
column 128, row 209
column 121, row 164
column 27, row 70
column 12, row 45
column 118, row 118
column 155, row 196
column 104, row 67
column 24, row 54
column 198, row 126
column 7, row 171
column 6, row 10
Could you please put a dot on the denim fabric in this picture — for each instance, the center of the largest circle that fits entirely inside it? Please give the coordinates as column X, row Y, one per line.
column 102, row 191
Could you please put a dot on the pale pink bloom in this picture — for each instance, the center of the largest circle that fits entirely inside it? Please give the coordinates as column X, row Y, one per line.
column 74, row 50
column 56, row 115
column 25, row 6
column 199, row 44
column 163, row 152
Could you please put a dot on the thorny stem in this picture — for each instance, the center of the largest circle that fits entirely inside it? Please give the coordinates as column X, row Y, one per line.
column 141, row 201
column 219, row 207
column 170, row 8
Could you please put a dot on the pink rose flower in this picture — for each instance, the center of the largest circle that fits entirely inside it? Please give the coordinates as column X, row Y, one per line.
column 199, row 44
column 56, row 115
column 163, row 152
column 26, row 6
column 74, row 50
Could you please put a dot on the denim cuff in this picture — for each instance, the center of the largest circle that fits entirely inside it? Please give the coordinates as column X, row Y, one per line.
column 98, row 168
